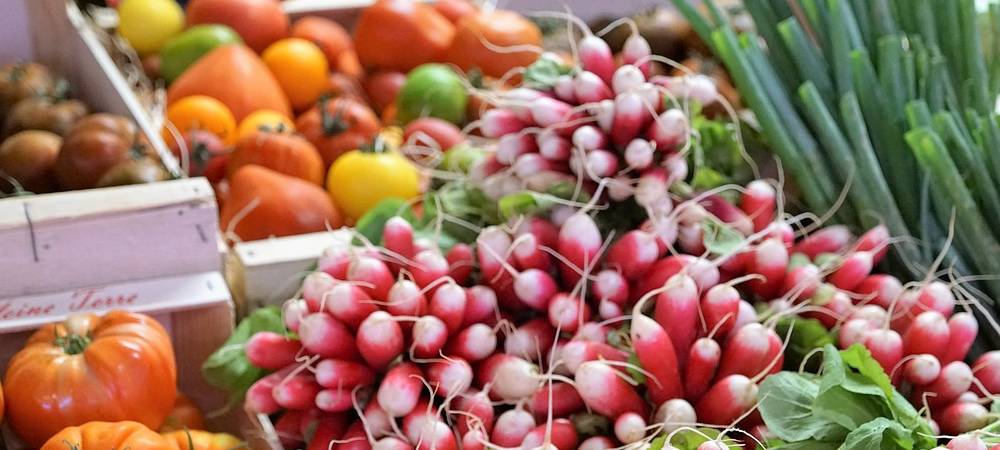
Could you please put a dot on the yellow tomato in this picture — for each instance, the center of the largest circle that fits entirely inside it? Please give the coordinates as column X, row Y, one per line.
column 266, row 119
column 200, row 112
column 359, row 180
column 148, row 24
column 300, row 68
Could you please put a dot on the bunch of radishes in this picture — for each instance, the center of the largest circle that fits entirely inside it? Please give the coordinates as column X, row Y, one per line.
column 603, row 120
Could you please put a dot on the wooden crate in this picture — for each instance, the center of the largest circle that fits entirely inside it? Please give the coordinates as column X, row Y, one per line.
column 196, row 309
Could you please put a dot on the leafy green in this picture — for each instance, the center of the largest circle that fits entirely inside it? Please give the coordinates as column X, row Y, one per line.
column 691, row 439
column 228, row 367
column 849, row 406
column 543, row 73
column 719, row 238
column 807, row 335
column 716, row 156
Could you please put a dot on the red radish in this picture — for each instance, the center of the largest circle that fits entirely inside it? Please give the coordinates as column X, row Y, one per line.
column 314, row 290
column 627, row 78
column 636, row 51
column 334, row 261
column 922, row 370
column 563, row 88
column 577, row 352
column 531, row 340
column 378, row 422
column 802, row 282
column 598, row 443
column 657, row 355
column 451, row 376
column 511, row 427
column 380, row 340
column 835, row 304
column 746, row 315
column 510, row 146
column 528, row 253
column 497, row 122
column 967, row 442
column 435, row 435
column 535, row 288
column 853, row 332
column 874, row 314
column 604, row 112
column 552, row 146
column 480, row 305
column 397, row 237
column 633, row 254
column 962, row 417
column 589, row 138
column 595, row 164
column 927, row 334
column 511, row 378
column 399, row 391
column 955, row 378
column 590, row 88
column 428, row 266
column 474, row 440
column 405, row 298
column 296, row 392
column 478, row 412
column 349, row 304
column 271, row 351
column 854, row 268
column 746, row 351
column 936, row 296
column 677, row 312
column 987, row 371
column 335, row 400
column 720, row 306
column 595, row 56
column 548, row 112
column 288, row 428
column 728, row 213
column 770, row 259
column 610, row 285
column 669, row 130
column 327, row 337
column 326, row 428
column 531, row 164
column 292, row 312
column 758, row 202
column 544, row 231
column 630, row 116
column 630, row 427
column 607, row 309
column 498, row 242
column 430, row 335
column 963, row 328
column 875, row 240
column 566, row 312
column 486, row 167
column 605, row 392
column 702, row 364
column 674, row 414
column 391, row 443
column 727, row 400
column 334, row 373
column 651, row 189
column 259, row 397
column 448, row 304
column 559, row 435
column 460, row 262
column 474, row 343
column 881, row 289
column 565, row 400
column 639, row 154
column 831, row 239
column 374, row 273
column 713, row 445
column 886, row 347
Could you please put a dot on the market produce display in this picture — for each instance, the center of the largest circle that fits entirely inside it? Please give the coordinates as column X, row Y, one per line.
column 549, row 234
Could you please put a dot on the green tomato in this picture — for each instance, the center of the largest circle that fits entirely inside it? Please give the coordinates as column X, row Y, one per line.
column 433, row 90
column 148, row 24
column 184, row 49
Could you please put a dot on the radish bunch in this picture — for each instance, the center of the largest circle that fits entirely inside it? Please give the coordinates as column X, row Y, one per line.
column 603, row 121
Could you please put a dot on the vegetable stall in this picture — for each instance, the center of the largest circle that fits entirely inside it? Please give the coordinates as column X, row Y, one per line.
column 710, row 225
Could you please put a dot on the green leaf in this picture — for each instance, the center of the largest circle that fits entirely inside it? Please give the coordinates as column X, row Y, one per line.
column 807, row 336
column 859, row 358
column 719, row 238
column 786, row 404
column 879, row 434
column 634, row 362
column 228, row 368
column 807, row 445
column 691, row 439
column 371, row 224
column 542, row 74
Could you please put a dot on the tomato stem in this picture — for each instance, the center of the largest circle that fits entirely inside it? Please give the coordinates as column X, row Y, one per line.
column 331, row 123
column 73, row 344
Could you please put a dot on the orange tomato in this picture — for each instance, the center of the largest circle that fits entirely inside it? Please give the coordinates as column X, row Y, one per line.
column 185, row 416
column 265, row 119
column 332, row 38
column 500, row 29
column 108, row 435
column 300, row 68
column 455, row 10
column 401, row 35
column 200, row 112
column 204, row 440
column 348, row 64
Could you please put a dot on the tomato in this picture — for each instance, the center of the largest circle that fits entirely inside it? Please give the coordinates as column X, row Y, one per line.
column 259, row 22
column 383, row 87
column 42, row 113
column 401, row 35
column 200, row 112
column 203, row 154
column 348, row 64
column 454, row 10
column 96, row 143
column 186, row 415
column 148, row 24
column 23, row 80
column 203, row 440
column 300, row 68
column 289, row 154
column 341, row 85
column 332, row 38
column 184, row 49
column 359, row 180
column 135, row 170
column 265, row 120
column 432, row 90
column 337, row 126
column 500, row 29
column 116, row 367
column 433, row 132
column 282, row 206
column 108, row 435
column 28, row 158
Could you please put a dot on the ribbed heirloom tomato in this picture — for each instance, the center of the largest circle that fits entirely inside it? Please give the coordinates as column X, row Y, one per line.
column 401, row 35
column 89, row 368
column 338, row 126
column 106, row 436
column 265, row 120
column 289, row 154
